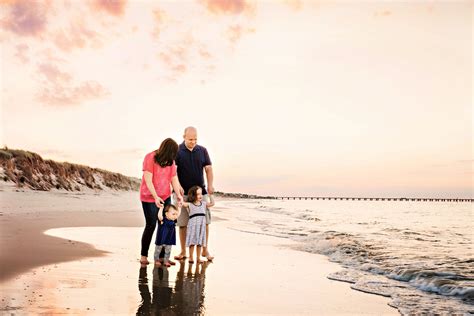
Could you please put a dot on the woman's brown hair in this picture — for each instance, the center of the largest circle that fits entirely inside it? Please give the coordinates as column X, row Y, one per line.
column 166, row 154
column 192, row 193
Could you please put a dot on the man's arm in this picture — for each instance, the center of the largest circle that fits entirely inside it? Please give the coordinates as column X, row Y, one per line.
column 210, row 179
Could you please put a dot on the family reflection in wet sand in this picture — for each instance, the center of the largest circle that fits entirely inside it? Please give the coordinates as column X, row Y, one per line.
column 186, row 298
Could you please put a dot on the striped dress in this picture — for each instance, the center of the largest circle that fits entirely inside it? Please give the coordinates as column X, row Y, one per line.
column 196, row 231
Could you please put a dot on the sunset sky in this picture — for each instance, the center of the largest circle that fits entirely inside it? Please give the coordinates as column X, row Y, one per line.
column 290, row 97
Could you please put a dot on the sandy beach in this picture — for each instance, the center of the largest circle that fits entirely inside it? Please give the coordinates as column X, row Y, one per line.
column 65, row 253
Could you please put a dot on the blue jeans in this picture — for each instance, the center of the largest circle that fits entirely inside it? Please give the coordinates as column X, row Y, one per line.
column 150, row 210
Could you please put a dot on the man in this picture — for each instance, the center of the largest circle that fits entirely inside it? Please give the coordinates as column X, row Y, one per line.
column 192, row 161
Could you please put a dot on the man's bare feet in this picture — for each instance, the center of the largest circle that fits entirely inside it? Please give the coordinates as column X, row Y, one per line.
column 167, row 264
column 144, row 260
column 157, row 263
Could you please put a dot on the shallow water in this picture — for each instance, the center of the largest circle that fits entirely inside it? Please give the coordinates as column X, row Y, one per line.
column 418, row 253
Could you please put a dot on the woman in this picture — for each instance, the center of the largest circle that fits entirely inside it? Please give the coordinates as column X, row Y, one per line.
column 159, row 171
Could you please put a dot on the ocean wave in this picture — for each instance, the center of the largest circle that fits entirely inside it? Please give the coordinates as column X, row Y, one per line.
column 421, row 265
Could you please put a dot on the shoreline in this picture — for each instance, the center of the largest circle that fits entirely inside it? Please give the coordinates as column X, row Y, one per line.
column 234, row 283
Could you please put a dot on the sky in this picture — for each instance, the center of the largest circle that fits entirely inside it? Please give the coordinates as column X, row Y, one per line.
column 306, row 98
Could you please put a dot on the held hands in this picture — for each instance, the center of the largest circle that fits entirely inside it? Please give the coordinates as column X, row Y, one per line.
column 210, row 189
column 160, row 217
column 159, row 202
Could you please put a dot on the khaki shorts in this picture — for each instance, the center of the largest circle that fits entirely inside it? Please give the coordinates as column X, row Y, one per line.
column 184, row 216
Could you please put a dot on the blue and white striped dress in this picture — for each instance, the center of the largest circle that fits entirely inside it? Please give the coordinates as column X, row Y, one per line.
column 196, row 231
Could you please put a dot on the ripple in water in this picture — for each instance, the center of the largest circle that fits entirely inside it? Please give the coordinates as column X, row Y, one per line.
column 419, row 254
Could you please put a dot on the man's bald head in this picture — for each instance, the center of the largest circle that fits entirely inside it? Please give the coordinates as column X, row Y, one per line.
column 190, row 137
column 190, row 129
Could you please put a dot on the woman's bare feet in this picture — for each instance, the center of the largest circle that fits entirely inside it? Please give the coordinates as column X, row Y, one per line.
column 144, row 260
column 180, row 257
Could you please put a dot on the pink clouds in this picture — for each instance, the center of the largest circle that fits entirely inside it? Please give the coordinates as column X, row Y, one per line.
column 64, row 95
column 235, row 32
column 159, row 18
column 57, row 87
column 296, row 5
column 204, row 53
column 383, row 13
column 77, row 35
column 228, row 6
column 26, row 18
column 53, row 74
column 21, row 51
column 112, row 7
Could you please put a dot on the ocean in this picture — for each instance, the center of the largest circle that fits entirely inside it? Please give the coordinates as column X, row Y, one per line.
column 420, row 254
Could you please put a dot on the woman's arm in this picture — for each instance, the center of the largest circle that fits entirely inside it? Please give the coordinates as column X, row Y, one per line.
column 149, row 183
column 211, row 201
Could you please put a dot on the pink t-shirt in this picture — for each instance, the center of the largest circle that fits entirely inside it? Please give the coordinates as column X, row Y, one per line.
column 161, row 179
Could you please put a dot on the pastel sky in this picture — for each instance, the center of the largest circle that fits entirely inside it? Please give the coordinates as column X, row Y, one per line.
column 290, row 97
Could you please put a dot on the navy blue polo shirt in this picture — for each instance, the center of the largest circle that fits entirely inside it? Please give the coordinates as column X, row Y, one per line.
column 191, row 166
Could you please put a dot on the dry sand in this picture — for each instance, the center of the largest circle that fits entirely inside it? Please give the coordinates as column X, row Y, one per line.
column 88, row 269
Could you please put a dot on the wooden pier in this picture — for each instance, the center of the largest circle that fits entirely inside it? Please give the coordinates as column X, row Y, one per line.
column 371, row 199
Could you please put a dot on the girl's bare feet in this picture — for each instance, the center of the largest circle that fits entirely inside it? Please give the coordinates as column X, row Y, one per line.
column 144, row 260
column 157, row 263
column 207, row 255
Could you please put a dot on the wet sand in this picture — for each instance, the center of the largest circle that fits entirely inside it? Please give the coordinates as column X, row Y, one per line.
column 94, row 270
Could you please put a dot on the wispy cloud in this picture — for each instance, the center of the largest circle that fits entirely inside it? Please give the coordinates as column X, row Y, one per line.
column 53, row 74
column 235, row 32
column 25, row 18
column 159, row 17
column 67, row 95
column 21, row 53
column 76, row 36
column 232, row 7
column 295, row 5
column 112, row 7
column 382, row 13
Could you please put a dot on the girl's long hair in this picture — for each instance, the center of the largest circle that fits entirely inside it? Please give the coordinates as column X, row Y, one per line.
column 192, row 193
column 166, row 154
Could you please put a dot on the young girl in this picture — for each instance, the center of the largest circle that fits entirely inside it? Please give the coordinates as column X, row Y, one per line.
column 166, row 235
column 196, row 230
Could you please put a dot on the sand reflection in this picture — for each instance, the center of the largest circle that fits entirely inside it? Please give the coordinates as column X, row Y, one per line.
column 184, row 296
